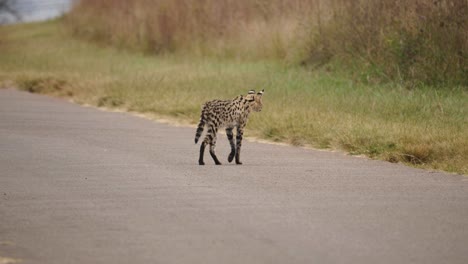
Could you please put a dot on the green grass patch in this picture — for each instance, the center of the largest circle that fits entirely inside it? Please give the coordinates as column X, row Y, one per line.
column 323, row 108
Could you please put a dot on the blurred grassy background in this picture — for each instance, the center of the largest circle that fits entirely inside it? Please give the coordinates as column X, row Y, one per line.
column 315, row 95
column 415, row 42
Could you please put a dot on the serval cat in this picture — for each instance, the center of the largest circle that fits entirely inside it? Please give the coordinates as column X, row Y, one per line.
column 230, row 114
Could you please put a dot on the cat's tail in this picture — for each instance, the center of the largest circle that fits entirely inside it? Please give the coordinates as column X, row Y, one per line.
column 200, row 128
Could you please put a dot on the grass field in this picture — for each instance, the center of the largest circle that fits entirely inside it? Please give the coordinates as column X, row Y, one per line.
column 322, row 108
column 415, row 42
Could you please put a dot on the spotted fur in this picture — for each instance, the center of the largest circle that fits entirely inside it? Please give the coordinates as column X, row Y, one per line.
column 230, row 114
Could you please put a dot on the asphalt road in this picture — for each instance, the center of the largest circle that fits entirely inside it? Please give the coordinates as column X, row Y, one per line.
column 81, row 185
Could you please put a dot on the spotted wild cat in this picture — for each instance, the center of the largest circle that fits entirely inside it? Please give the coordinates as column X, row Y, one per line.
column 230, row 114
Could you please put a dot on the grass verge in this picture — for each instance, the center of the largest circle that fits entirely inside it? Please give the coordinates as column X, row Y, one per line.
column 415, row 42
column 322, row 109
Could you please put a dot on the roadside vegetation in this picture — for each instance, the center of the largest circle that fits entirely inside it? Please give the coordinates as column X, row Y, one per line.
column 416, row 42
column 317, row 95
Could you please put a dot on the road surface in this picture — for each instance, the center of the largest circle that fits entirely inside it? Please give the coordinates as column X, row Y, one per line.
column 81, row 185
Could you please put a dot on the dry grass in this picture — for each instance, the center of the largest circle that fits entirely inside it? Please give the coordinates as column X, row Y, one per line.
column 258, row 28
column 412, row 42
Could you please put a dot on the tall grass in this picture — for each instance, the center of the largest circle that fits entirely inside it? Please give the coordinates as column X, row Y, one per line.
column 412, row 42
column 415, row 41
column 261, row 28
